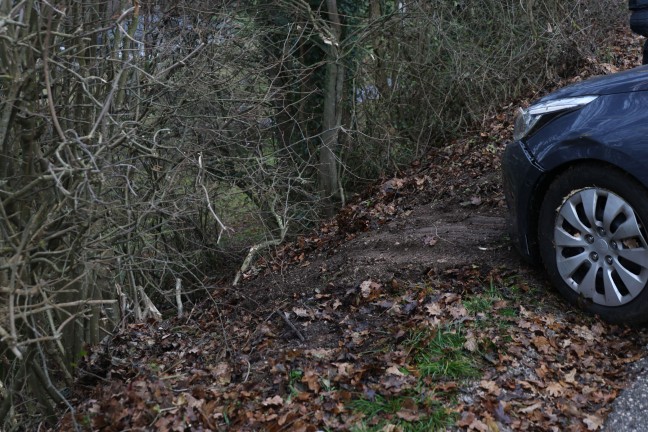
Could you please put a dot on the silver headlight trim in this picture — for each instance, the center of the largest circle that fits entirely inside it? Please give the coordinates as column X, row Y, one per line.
column 526, row 119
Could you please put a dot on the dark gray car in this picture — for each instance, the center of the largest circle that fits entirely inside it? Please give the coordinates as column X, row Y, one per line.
column 576, row 182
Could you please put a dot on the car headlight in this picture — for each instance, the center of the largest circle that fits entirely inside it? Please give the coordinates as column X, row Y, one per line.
column 527, row 119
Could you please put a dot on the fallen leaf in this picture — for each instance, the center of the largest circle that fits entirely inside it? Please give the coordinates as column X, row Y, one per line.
column 571, row 377
column 584, row 332
column 542, row 344
column 471, row 342
column 466, row 420
column 273, row 401
column 430, row 240
column 500, row 414
column 458, row 312
column 343, row 369
column 222, row 372
column 321, row 353
column 393, row 370
column 433, row 309
column 408, row 415
column 369, row 289
column 593, row 422
column 302, row 313
column 311, row 379
column 555, row 389
column 386, row 304
column 531, row 408
column 491, row 387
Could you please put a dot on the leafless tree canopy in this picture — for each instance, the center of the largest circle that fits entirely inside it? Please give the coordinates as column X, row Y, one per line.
column 147, row 146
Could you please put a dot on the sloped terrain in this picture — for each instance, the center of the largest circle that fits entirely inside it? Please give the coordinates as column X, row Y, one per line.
column 408, row 311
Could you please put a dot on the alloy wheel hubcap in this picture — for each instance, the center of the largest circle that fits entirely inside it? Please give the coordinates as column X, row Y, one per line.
column 601, row 248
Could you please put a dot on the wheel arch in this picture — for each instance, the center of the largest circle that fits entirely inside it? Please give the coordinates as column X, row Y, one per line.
column 543, row 185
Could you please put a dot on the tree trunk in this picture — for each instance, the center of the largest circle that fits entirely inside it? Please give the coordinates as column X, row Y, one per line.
column 329, row 180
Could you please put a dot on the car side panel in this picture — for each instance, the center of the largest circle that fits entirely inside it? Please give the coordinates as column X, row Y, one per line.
column 520, row 177
column 613, row 129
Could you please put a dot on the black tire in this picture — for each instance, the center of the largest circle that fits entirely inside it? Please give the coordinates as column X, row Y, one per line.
column 589, row 265
column 639, row 22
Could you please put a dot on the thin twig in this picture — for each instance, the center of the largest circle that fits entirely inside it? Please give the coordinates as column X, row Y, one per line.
column 247, row 374
column 222, row 226
column 292, row 326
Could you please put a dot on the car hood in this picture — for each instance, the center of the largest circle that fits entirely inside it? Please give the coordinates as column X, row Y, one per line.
column 622, row 82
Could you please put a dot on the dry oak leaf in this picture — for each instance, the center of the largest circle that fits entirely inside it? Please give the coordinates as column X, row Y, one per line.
column 542, row 344
column 321, row 353
column 303, row 313
column 343, row 369
column 433, row 309
column 542, row 371
column 273, row 401
column 369, row 289
column 491, row 387
column 584, row 333
column 469, row 421
column 571, row 377
column 531, row 408
column 555, row 389
column 458, row 312
column 311, row 379
column 471, row 342
column 524, row 324
column 467, row 418
column 394, row 370
column 627, row 360
column 480, row 426
column 593, row 422
column 408, row 415
column 222, row 372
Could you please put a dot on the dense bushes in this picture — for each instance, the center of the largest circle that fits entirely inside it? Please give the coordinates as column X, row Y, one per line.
column 440, row 66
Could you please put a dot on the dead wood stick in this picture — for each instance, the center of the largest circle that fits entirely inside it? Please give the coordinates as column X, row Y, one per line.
column 178, row 293
column 292, row 326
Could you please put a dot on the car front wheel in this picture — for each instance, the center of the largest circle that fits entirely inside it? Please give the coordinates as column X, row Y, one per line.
column 593, row 241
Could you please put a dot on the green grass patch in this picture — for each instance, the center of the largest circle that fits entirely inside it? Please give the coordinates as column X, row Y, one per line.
column 478, row 304
column 443, row 355
column 293, row 381
column 432, row 415
column 483, row 303
column 508, row 312
column 378, row 405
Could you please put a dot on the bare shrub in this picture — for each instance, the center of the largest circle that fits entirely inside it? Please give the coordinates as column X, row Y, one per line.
column 435, row 68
